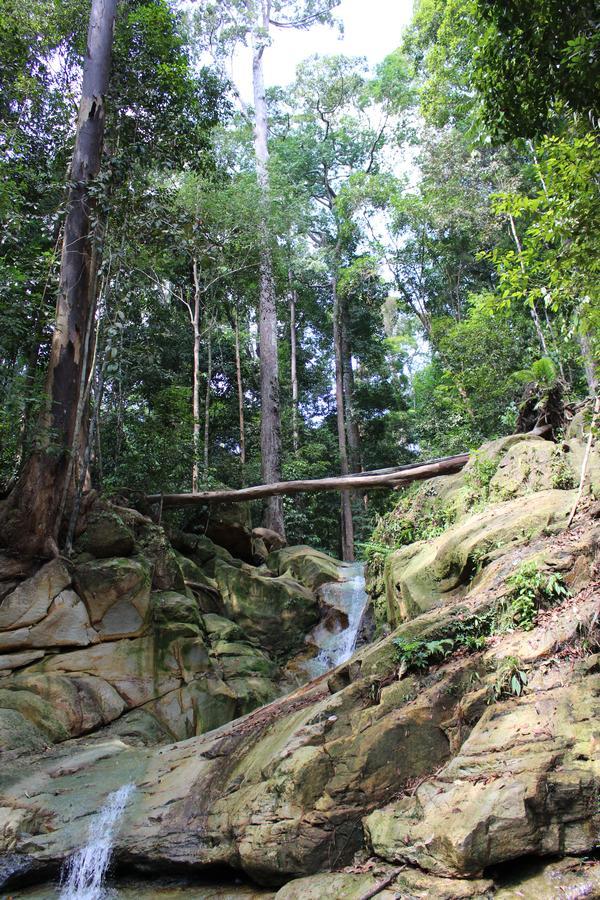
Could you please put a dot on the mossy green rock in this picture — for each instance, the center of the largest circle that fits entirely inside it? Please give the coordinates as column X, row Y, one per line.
column 106, row 535
column 525, row 782
column 420, row 576
column 219, row 628
column 407, row 884
column 305, row 564
column 237, row 659
column 525, row 468
column 276, row 612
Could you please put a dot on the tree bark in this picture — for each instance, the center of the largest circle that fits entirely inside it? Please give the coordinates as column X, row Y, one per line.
column 294, row 365
column 270, row 425
column 398, row 477
column 347, row 526
column 354, row 456
column 589, row 364
column 207, row 398
column 196, row 378
column 30, row 521
column 240, row 391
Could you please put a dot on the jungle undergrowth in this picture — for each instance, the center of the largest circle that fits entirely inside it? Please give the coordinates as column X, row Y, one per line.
column 530, row 590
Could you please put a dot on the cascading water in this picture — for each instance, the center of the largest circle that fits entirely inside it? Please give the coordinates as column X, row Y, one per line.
column 83, row 873
column 337, row 644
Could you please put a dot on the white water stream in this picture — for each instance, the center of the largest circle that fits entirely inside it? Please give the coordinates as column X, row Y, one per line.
column 82, row 876
column 336, row 640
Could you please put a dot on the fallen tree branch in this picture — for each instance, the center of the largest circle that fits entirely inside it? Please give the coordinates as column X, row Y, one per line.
column 381, row 885
column 586, row 458
column 396, row 478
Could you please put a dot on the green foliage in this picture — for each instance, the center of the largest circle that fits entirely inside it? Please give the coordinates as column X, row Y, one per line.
column 511, row 679
column 562, row 474
column 465, row 634
column 542, row 373
column 557, row 267
column 416, row 517
column 530, row 589
column 482, row 469
column 533, row 58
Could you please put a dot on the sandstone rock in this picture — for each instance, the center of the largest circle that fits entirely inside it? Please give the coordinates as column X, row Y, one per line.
column 30, row 602
column 106, row 535
column 17, row 660
column 221, row 629
column 526, row 467
column 200, row 706
column 161, row 558
column 570, row 878
column 524, row 782
column 304, row 564
column 18, row 733
column 272, row 540
column 277, row 612
column 117, row 595
column 229, row 525
column 38, row 712
column 237, row 659
column 204, row 588
column 67, row 624
column 420, row 576
column 79, row 704
column 407, row 884
column 132, row 667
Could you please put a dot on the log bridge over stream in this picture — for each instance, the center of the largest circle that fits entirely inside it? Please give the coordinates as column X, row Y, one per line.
column 395, row 477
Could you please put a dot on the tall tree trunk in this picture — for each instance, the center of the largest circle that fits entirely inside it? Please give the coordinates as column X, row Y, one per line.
column 30, row 521
column 294, row 365
column 207, row 397
column 354, row 459
column 589, row 364
column 195, row 317
column 533, row 309
column 240, row 391
column 270, row 424
column 347, row 527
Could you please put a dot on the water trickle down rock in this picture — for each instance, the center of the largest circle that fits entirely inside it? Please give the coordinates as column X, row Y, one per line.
column 83, row 873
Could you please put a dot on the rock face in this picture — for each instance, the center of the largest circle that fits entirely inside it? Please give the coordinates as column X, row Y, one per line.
column 275, row 611
column 141, row 642
column 457, row 743
column 305, row 564
column 418, row 577
column 525, row 782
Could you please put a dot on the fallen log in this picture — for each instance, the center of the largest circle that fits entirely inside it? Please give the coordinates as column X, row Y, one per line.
column 398, row 477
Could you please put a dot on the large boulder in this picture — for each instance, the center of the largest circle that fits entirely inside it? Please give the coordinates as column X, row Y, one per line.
column 275, row 612
column 116, row 593
column 310, row 567
column 30, row 601
column 227, row 524
column 106, row 535
column 66, row 624
column 525, row 782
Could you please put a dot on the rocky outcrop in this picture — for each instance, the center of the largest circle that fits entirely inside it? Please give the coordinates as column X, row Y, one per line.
column 141, row 642
column 276, row 612
column 305, row 564
column 438, row 764
column 439, row 759
column 420, row 576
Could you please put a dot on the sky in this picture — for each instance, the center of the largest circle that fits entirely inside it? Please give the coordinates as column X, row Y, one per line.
column 372, row 28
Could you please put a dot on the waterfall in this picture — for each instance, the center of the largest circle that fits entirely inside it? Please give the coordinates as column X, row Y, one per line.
column 337, row 644
column 83, row 873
